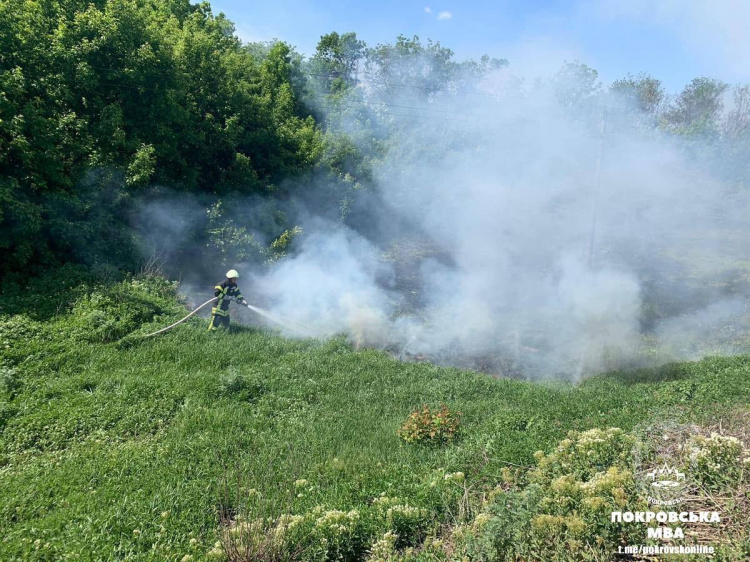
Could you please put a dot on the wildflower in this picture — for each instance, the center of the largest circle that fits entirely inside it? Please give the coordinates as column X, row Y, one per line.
column 291, row 520
column 384, row 548
column 216, row 552
column 575, row 524
column 337, row 522
column 455, row 476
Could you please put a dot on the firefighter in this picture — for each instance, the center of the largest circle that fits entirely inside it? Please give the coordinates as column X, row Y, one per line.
column 226, row 290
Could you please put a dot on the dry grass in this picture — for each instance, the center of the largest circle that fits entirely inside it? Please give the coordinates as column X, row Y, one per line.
column 671, row 445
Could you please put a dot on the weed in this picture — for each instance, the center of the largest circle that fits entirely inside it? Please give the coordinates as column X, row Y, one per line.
column 435, row 426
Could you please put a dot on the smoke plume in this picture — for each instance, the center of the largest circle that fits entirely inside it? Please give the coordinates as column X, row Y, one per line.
column 512, row 233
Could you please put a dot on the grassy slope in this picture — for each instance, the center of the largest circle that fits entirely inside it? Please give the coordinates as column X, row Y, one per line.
column 111, row 451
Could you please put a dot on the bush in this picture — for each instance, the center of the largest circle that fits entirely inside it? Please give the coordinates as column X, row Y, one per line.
column 407, row 522
column 108, row 313
column 584, row 454
column 564, row 513
column 18, row 330
column 230, row 242
column 320, row 534
column 425, row 425
column 716, row 462
column 266, row 539
column 338, row 535
column 10, row 382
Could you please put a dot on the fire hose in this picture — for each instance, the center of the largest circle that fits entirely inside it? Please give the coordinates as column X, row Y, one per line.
column 283, row 322
column 181, row 321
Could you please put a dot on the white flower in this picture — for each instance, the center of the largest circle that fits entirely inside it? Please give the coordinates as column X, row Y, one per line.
column 455, row 476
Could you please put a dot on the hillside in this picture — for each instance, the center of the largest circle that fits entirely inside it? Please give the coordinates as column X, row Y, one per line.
column 523, row 282
column 147, row 449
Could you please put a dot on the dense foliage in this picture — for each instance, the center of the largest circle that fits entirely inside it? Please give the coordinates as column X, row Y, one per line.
column 99, row 99
column 107, row 104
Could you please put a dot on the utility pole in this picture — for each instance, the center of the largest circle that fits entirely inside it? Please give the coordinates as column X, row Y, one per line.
column 597, row 187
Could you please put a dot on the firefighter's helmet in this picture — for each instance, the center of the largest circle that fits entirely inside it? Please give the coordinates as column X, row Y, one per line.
column 232, row 274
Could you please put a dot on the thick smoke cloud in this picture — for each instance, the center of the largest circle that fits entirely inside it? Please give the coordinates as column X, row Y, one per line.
column 335, row 284
column 504, row 193
column 507, row 233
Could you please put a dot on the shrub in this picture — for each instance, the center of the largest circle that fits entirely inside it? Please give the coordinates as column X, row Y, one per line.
column 339, row 535
column 501, row 527
column 267, row 539
column 425, row 425
column 583, row 454
column 716, row 462
column 409, row 523
column 230, row 242
column 384, row 549
column 6, row 413
column 10, row 382
column 284, row 242
column 18, row 330
column 564, row 513
column 107, row 313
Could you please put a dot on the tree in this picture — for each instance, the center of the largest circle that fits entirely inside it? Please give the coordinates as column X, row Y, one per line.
column 641, row 92
column 737, row 120
column 335, row 63
column 697, row 109
column 100, row 99
column 576, row 86
column 409, row 66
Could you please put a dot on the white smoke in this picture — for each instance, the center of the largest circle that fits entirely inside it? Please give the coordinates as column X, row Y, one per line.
column 331, row 286
column 502, row 195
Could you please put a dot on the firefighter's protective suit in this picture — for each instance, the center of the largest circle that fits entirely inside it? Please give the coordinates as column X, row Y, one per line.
column 226, row 290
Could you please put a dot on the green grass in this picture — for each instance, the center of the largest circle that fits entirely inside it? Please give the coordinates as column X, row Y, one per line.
column 129, row 450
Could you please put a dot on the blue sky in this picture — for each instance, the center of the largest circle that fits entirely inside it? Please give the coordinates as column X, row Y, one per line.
column 674, row 40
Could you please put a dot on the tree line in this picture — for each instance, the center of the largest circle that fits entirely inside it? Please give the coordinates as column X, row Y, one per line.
column 107, row 103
